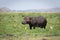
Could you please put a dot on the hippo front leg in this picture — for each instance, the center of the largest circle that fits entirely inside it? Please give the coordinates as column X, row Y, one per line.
column 30, row 26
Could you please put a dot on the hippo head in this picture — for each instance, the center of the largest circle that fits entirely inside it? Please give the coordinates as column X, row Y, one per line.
column 26, row 20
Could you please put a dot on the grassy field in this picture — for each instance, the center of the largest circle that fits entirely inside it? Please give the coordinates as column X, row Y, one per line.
column 12, row 29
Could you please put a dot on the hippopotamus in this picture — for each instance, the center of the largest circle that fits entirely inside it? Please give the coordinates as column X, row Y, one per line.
column 33, row 22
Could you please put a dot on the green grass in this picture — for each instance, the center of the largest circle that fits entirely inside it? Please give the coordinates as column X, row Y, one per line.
column 10, row 23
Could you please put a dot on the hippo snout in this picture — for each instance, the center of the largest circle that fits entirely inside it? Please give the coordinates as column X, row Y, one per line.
column 22, row 22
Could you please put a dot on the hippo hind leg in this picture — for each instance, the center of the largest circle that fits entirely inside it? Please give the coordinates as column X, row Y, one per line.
column 42, row 26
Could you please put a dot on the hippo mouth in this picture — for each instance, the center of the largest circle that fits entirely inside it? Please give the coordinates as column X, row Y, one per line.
column 23, row 23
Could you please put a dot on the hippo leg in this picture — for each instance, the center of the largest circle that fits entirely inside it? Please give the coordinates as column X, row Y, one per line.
column 41, row 26
column 30, row 26
column 44, row 26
